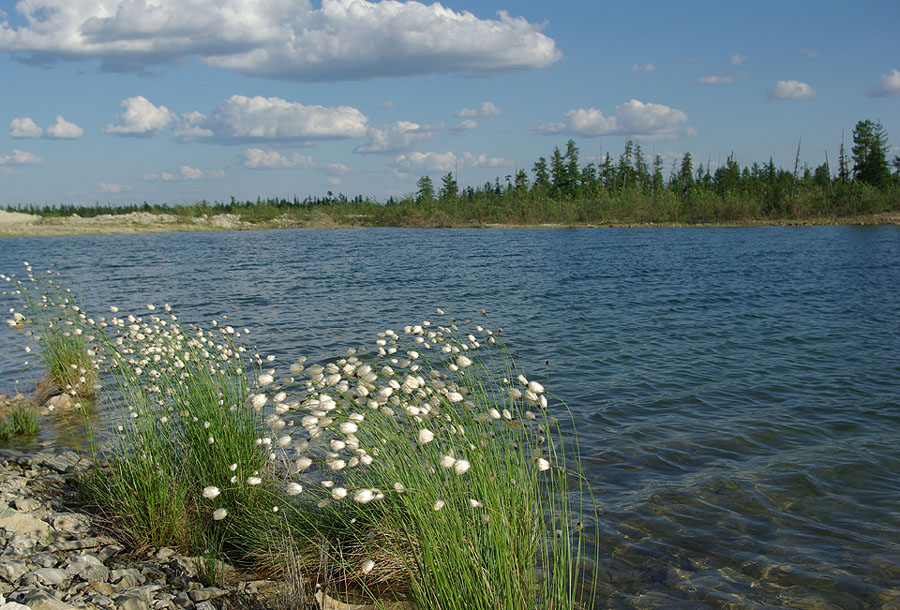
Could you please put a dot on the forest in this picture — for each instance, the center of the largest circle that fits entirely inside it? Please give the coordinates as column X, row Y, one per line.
column 631, row 189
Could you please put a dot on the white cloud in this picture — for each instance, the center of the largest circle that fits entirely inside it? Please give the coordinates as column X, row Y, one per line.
column 257, row 158
column 482, row 160
column 64, row 130
column 737, row 59
column 140, row 118
column 241, row 119
column 400, row 136
column 20, row 157
column 336, row 169
column 634, row 118
column 791, row 90
column 24, row 127
column 430, row 161
column 466, row 125
column 103, row 187
column 720, row 79
column 285, row 39
column 388, row 104
column 185, row 173
column 888, row 87
column 487, row 110
column 644, row 68
column 443, row 162
column 811, row 53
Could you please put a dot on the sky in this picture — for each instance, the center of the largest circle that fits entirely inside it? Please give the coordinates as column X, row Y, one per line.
column 176, row 101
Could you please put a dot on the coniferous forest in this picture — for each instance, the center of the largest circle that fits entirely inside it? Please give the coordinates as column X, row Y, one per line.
column 630, row 189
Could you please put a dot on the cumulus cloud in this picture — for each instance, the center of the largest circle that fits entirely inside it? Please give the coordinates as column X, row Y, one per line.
column 257, row 158
column 241, row 119
column 104, row 187
column 737, row 59
column 64, row 130
column 466, row 125
column 19, row 158
column 24, row 127
column 140, row 118
column 888, row 87
column 487, row 110
column 284, row 39
column 185, row 173
column 400, row 136
column 443, row 162
column 791, row 90
column 644, row 68
column 633, row 118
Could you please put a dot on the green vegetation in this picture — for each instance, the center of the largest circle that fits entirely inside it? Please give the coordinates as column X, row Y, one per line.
column 630, row 189
column 428, row 467
column 18, row 417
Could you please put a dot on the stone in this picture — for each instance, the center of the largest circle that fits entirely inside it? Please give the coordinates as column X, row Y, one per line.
column 126, row 578
column 11, row 571
column 205, row 606
column 110, row 550
column 60, row 402
column 26, row 504
column 200, row 595
column 42, row 599
column 45, row 560
column 131, row 602
column 72, row 523
column 182, row 600
column 85, row 543
column 89, row 568
column 51, row 576
column 14, row 606
column 17, row 522
column 165, row 554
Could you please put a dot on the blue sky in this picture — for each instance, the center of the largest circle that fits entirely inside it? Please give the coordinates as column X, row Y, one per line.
column 121, row 101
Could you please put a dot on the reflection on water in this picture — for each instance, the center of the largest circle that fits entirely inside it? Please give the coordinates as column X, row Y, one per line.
column 736, row 389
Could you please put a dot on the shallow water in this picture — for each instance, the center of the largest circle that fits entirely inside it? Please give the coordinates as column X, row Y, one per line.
column 736, row 389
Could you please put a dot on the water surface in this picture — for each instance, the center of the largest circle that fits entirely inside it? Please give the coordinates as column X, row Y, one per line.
column 736, row 389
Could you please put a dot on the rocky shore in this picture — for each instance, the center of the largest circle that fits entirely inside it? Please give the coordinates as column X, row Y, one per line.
column 57, row 557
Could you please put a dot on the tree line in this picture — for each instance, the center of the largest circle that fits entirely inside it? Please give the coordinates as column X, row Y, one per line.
column 631, row 188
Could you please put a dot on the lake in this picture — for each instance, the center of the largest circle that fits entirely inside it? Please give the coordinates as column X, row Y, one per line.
column 737, row 390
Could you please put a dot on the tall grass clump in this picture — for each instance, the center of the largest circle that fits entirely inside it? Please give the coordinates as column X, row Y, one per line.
column 433, row 465
column 52, row 318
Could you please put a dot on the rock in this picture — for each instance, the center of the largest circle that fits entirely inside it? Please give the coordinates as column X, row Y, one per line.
column 205, row 606
column 11, row 571
column 16, row 522
column 126, row 579
column 200, row 595
column 60, row 402
column 131, row 602
column 89, row 568
column 72, row 523
column 86, row 543
column 51, row 576
column 165, row 554
column 13, row 606
column 182, row 600
column 42, row 599
column 26, row 504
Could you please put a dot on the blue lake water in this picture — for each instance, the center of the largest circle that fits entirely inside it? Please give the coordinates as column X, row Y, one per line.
column 737, row 390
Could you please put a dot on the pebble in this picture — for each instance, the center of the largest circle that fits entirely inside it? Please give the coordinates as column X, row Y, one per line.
column 55, row 558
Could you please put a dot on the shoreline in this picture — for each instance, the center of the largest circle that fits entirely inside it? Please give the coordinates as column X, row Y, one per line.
column 24, row 225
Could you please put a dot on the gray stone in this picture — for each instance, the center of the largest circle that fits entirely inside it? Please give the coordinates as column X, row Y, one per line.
column 60, row 402
column 72, row 523
column 109, row 550
column 165, row 554
column 18, row 522
column 11, row 571
column 126, row 579
column 182, row 600
column 85, row 543
column 45, row 560
column 205, row 606
column 131, row 602
column 13, row 606
column 200, row 595
column 26, row 504
column 51, row 576
column 42, row 599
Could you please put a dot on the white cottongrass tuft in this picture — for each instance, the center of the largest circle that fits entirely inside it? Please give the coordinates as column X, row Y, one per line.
column 294, row 489
column 367, row 566
column 448, row 461
column 454, row 397
column 364, row 495
column 211, row 492
column 438, row 505
column 254, row 481
column 220, row 513
column 461, row 466
column 542, row 464
column 425, row 436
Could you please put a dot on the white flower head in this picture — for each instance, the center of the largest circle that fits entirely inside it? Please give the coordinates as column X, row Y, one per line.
column 367, row 566
column 220, row 513
column 448, row 461
column 211, row 492
column 363, row 496
column 438, row 505
column 425, row 436
column 294, row 489
column 461, row 466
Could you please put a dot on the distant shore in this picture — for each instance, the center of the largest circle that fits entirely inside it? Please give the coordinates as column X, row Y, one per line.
column 15, row 224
